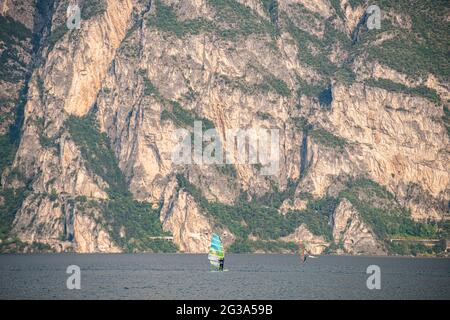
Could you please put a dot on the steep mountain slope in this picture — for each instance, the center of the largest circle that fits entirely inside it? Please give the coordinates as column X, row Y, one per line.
column 362, row 114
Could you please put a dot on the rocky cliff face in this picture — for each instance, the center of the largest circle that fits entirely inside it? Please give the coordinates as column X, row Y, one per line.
column 88, row 118
column 351, row 233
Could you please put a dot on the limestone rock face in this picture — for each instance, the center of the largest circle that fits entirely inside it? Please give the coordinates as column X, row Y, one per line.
column 80, row 182
column 91, row 237
column 289, row 205
column 63, row 226
column 415, row 154
column 182, row 216
column 39, row 219
column 85, row 59
column 296, row 70
column 66, row 83
column 24, row 18
column 355, row 236
column 23, row 11
column 313, row 244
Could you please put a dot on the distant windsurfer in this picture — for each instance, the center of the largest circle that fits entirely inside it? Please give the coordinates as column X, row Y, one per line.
column 302, row 252
column 216, row 254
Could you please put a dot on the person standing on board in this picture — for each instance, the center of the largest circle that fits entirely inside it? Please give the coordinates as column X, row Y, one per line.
column 303, row 256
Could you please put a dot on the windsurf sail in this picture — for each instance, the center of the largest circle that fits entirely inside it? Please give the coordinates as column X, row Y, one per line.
column 216, row 254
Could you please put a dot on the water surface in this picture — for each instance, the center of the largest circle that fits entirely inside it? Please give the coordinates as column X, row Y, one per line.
column 251, row 276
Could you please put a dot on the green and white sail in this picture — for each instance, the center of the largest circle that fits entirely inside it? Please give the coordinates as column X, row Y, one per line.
column 216, row 251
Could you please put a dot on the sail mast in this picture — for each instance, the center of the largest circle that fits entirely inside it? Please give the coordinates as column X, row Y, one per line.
column 302, row 252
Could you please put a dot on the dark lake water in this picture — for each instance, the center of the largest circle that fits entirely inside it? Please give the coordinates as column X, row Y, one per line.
column 183, row 276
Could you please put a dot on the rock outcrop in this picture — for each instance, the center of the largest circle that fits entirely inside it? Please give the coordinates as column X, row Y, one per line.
column 182, row 216
column 350, row 232
column 313, row 244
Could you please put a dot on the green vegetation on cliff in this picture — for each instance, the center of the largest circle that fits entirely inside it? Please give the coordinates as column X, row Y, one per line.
column 320, row 135
column 149, row 88
column 15, row 245
column 446, row 119
column 7, row 151
column 277, row 85
column 57, row 34
column 336, row 4
column 232, row 19
column 10, row 201
column 182, row 117
column 397, row 87
column 415, row 249
column 385, row 216
column 418, row 47
column 271, row 7
column 260, row 217
column 13, row 38
column 92, row 8
column 314, row 51
column 309, row 89
column 95, row 148
column 273, row 246
column 138, row 220
column 328, row 139
column 270, row 83
column 165, row 19
column 236, row 19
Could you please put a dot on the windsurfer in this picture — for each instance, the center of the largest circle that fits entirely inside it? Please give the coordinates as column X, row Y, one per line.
column 303, row 254
column 216, row 254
